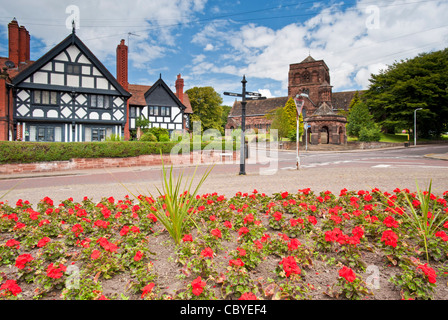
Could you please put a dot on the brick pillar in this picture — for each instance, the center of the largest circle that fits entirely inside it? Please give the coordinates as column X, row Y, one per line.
column 3, row 109
column 13, row 44
column 122, row 77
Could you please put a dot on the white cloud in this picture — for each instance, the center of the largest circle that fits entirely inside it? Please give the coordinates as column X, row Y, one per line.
column 265, row 93
column 103, row 23
column 209, row 47
column 354, row 42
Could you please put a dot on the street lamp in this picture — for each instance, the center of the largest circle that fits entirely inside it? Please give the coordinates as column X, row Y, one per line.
column 415, row 125
column 298, row 100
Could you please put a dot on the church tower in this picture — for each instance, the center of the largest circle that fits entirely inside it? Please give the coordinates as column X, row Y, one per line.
column 313, row 78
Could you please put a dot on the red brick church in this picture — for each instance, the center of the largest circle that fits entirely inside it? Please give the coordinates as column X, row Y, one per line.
column 320, row 111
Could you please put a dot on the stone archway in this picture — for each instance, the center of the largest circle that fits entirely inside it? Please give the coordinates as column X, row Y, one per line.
column 327, row 126
column 324, row 135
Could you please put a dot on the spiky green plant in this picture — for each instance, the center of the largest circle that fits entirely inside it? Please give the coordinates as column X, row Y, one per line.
column 419, row 218
column 177, row 201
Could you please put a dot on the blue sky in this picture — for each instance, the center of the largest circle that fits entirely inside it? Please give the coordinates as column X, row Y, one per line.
column 214, row 43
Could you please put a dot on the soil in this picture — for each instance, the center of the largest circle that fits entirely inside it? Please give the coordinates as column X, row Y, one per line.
column 170, row 279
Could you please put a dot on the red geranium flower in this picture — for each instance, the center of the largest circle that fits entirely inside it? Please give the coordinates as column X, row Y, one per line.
column 207, row 253
column 312, row 220
column 55, row 273
column 347, row 273
column 390, row 222
column 243, row 230
column 197, row 286
column 187, row 238
column 248, row 296
column 390, row 238
column 42, row 242
column 216, row 233
column 290, row 266
column 236, row 262
column 147, row 289
column 95, row 254
column 13, row 243
column 277, row 215
column 429, row 272
column 22, row 260
column 442, row 235
column 138, row 256
column 228, row 224
column 11, row 286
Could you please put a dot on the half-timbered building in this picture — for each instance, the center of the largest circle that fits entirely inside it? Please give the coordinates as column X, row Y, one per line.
column 68, row 95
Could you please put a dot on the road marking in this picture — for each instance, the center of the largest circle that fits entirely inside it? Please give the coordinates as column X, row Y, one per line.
column 382, row 166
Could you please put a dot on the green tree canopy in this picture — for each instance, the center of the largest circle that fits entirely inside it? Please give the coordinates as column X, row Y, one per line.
column 421, row 82
column 284, row 120
column 206, row 105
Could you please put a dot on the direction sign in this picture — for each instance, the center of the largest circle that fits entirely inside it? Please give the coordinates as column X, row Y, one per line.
column 256, row 94
column 233, row 94
column 255, row 98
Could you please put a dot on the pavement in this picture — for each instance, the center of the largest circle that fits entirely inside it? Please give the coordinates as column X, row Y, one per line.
column 113, row 181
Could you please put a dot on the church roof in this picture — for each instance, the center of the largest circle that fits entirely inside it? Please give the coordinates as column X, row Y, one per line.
column 258, row 107
column 308, row 59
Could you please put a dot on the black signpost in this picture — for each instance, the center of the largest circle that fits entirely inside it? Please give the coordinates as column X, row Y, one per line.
column 252, row 96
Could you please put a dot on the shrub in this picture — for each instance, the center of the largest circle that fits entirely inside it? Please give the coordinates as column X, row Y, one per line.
column 371, row 133
column 148, row 137
column 27, row 152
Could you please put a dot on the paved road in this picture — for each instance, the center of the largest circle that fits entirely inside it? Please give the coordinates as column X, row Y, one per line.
column 354, row 170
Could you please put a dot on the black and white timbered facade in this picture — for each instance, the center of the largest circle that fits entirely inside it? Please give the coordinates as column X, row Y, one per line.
column 68, row 96
column 161, row 107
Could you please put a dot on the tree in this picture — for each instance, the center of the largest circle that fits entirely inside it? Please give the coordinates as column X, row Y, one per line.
column 354, row 101
column 206, row 105
column 284, row 119
column 291, row 114
column 280, row 121
column 358, row 116
column 421, row 82
column 360, row 123
column 224, row 115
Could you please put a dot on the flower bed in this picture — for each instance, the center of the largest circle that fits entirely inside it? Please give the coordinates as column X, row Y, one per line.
column 307, row 245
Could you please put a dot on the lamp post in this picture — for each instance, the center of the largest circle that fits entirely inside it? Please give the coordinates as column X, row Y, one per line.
column 298, row 100
column 415, row 125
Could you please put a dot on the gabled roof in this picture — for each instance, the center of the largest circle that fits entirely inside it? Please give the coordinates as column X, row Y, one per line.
column 138, row 94
column 161, row 83
column 72, row 39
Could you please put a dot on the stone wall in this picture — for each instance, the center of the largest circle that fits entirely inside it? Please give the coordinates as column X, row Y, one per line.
column 145, row 160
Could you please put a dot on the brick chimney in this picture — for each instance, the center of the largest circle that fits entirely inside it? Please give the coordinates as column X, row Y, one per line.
column 180, row 88
column 19, row 43
column 13, row 36
column 122, row 64
column 122, row 78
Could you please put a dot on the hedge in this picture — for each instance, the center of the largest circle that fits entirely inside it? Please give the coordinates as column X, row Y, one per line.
column 27, row 152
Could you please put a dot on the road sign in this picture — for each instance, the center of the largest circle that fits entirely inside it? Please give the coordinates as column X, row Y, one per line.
column 255, row 94
column 233, row 94
column 255, row 98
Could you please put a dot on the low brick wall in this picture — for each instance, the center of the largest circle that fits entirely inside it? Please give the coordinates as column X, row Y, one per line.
column 98, row 163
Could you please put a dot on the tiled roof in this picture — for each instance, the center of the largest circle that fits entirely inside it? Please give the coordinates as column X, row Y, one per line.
column 258, row 107
column 341, row 100
column 138, row 94
column 15, row 71
column 187, row 104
